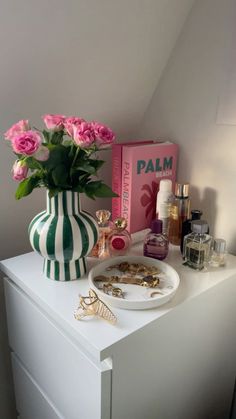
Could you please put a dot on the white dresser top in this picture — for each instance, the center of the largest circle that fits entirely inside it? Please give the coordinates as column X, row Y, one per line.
column 60, row 299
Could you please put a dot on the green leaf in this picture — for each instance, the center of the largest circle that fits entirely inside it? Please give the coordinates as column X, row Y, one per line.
column 57, row 137
column 53, row 192
column 104, row 191
column 32, row 163
column 26, row 186
column 98, row 189
column 90, row 188
column 97, row 164
column 58, row 155
column 47, row 136
column 53, row 137
column 60, row 176
column 78, row 188
column 85, row 167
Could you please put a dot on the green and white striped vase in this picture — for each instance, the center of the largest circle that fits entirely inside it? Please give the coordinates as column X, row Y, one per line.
column 63, row 235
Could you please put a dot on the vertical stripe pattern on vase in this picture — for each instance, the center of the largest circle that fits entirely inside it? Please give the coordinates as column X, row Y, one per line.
column 63, row 235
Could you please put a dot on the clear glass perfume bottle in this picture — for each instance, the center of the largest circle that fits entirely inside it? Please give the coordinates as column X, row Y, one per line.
column 100, row 250
column 197, row 246
column 186, row 226
column 119, row 240
column 164, row 216
column 156, row 244
column 218, row 255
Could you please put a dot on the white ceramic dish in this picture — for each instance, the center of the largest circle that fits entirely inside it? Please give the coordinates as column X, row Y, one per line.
column 136, row 296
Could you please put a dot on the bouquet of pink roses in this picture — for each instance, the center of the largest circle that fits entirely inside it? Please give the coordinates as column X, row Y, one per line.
column 59, row 157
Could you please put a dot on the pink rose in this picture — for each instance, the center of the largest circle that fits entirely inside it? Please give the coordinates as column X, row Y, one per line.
column 83, row 135
column 72, row 122
column 54, row 122
column 16, row 129
column 19, row 170
column 26, row 143
column 42, row 154
column 104, row 135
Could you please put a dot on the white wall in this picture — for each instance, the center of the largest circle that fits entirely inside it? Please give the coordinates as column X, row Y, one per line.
column 100, row 59
column 184, row 108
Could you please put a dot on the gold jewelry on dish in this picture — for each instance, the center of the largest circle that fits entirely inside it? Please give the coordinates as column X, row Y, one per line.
column 114, row 291
column 149, row 281
column 134, row 268
column 92, row 305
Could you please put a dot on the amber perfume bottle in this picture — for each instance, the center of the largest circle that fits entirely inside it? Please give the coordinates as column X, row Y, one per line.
column 179, row 212
column 100, row 250
column 119, row 240
column 174, row 225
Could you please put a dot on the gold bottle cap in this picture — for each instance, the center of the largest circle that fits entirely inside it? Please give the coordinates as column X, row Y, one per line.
column 182, row 190
column 103, row 216
column 120, row 223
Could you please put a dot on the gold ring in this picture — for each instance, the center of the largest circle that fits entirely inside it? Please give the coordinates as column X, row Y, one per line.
column 155, row 292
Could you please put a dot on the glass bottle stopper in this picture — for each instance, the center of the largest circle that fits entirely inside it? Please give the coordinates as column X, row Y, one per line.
column 120, row 223
column 103, row 216
column 199, row 226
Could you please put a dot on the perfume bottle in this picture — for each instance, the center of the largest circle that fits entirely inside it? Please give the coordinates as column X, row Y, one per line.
column 156, row 244
column 165, row 195
column 180, row 208
column 173, row 233
column 186, row 226
column 197, row 246
column 100, row 250
column 119, row 240
column 164, row 216
column 218, row 253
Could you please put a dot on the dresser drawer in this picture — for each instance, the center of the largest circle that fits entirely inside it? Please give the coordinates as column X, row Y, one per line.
column 77, row 386
column 30, row 400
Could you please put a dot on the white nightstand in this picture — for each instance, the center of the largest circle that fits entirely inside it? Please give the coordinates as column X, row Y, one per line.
column 173, row 362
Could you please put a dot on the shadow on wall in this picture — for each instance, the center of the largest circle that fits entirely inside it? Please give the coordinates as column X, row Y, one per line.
column 206, row 203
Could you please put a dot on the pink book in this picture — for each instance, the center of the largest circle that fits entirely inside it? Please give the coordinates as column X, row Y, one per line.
column 143, row 167
column 117, row 174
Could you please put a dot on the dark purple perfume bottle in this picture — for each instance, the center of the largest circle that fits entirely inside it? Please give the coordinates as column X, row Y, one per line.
column 156, row 245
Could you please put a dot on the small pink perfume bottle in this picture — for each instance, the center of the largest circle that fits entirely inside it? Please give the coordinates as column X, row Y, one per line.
column 156, row 245
column 119, row 241
column 100, row 250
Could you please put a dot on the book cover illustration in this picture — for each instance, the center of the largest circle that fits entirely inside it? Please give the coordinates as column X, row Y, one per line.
column 143, row 166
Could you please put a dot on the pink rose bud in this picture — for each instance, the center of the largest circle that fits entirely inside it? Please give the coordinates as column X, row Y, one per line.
column 54, row 122
column 26, row 143
column 83, row 135
column 72, row 122
column 104, row 135
column 42, row 154
column 19, row 170
column 16, row 129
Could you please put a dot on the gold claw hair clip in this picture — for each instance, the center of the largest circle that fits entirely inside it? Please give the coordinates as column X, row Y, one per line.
column 93, row 306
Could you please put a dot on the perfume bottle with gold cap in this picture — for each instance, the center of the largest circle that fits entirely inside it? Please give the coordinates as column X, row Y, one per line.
column 119, row 241
column 179, row 212
column 100, row 250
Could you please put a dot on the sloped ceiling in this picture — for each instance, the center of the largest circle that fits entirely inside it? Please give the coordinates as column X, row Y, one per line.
column 101, row 59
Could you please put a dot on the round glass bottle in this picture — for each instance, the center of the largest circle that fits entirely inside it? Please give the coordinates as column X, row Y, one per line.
column 119, row 240
column 156, row 244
